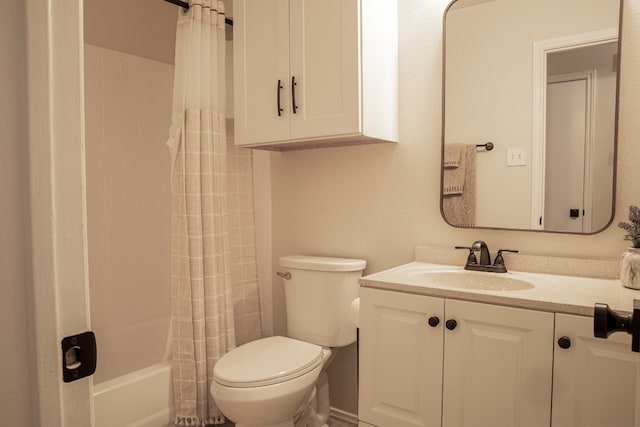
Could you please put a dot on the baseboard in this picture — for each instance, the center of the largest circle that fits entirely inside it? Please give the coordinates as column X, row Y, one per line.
column 340, row 418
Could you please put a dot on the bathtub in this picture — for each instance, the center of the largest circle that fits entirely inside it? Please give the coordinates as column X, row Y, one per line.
column 140, row 399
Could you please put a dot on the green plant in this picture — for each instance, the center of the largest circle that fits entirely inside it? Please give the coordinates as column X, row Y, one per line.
column 632, row 227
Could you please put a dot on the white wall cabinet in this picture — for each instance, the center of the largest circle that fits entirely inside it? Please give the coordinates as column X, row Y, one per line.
column 495, row 362
column 314, row 72
column 497, row 366
column 594, row 380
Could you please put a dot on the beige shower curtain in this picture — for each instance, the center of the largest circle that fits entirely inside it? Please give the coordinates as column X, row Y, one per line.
column 202, row 253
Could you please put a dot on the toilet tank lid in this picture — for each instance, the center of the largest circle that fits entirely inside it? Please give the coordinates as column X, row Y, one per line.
column 317, row 263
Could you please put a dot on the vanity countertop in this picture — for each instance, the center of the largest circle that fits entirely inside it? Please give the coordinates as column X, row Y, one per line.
column 554, row 293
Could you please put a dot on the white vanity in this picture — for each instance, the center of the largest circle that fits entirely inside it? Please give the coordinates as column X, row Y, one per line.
column 441, row 346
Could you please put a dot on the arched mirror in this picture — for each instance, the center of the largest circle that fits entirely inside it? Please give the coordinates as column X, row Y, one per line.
column 538, row 80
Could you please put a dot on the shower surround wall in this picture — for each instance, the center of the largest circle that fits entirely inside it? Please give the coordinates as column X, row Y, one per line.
column 127, row 111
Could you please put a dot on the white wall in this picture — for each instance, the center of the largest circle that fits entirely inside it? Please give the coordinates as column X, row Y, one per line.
column 17, row 397
column 379, row 201
column 492, row 43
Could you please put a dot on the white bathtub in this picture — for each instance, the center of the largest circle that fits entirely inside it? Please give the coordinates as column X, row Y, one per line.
column 140, row 399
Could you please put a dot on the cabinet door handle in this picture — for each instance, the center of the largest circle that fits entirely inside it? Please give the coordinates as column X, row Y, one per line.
column 278, row 90
column 451, row 324
column 293, row 94
column 434, row 321
column 564, row 342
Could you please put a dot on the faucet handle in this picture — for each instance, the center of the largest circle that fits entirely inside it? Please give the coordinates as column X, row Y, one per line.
column 471, row 259
column 499, row 259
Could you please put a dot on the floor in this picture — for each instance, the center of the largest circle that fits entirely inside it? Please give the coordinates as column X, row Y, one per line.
column 332, row 423
column 339, row 423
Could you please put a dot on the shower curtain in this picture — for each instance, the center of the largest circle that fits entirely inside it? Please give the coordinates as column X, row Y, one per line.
column 202, row 253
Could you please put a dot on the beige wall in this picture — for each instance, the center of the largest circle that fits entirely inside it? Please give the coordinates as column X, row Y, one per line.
column 379, row 201
column 16, row 363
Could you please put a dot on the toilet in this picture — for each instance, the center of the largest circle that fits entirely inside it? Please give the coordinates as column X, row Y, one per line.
column 281, row 381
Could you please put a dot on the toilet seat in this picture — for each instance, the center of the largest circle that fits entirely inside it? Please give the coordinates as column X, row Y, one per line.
column 267, row 361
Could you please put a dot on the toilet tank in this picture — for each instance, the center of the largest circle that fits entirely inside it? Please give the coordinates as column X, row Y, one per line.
column 318, row 295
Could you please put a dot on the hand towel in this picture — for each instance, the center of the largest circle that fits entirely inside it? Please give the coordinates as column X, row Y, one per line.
column 454, row 177
column 459, row 208
column 452, row 155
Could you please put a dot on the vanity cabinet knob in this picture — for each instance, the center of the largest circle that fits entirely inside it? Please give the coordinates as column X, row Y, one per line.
column 434, row 321
column 564, row 342
column 451, row 324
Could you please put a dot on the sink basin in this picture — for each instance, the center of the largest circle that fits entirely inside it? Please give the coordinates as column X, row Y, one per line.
column 464, row 279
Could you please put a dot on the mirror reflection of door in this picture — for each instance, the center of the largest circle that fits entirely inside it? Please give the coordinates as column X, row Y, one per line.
column 498, row 55
column 579, row 128
column 567, row 148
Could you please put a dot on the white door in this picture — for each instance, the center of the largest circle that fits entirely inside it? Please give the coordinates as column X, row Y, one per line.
column 261, row 71
column 324, row 63
column 497, row 366
column 565, row 148
column 56, row 151
column 400, row 365
column 594, row 380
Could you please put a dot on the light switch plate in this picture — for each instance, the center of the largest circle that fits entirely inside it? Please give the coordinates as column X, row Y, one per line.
column 516, row 157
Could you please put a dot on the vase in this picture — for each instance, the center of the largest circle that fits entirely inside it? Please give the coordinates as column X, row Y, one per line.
column 630, row 268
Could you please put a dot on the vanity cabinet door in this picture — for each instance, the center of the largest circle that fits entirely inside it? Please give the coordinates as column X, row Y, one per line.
column 594, row 380
column 497, row 366
column 400, row 359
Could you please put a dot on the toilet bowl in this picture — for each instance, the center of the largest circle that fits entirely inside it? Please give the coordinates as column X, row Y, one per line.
column 280, row 381
column 271, row 391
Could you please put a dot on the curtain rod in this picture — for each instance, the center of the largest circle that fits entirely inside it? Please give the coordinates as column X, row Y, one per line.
column 185, row 5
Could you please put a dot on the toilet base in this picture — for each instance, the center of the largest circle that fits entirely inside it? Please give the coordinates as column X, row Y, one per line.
column 316, row 411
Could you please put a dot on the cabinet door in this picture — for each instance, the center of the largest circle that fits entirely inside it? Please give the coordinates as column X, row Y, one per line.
column 324, row 44
column 400, row 359
column 497, row 366
column 260, row 60
column 594, row 380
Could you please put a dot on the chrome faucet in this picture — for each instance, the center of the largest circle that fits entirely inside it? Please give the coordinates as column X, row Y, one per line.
column 484, row 264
